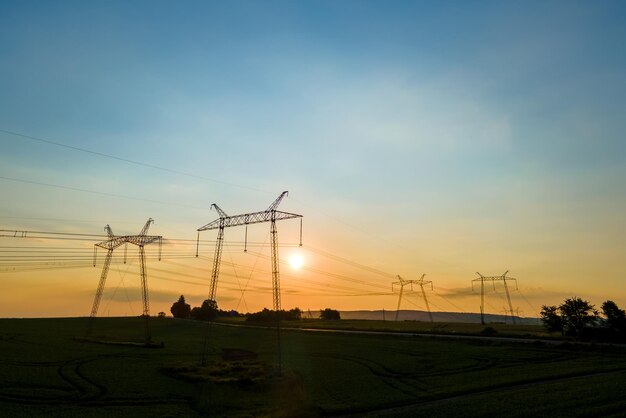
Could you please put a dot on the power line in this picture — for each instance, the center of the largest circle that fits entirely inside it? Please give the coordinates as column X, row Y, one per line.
column 173, row 171
column 76, row 189
column 126, row 160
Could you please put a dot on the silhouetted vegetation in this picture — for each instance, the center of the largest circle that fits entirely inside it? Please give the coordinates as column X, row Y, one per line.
column 330, row 314
column 209, row 311
column 489, row 332
column 181, row 309
column 267, row 315
column 206, row 311
column 571, row 317
column 614, row 320
column 578, row 318
column 577, row 314
column 614, row 317
column 551, row 319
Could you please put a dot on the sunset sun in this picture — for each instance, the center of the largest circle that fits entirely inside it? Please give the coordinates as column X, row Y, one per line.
column 296, row 261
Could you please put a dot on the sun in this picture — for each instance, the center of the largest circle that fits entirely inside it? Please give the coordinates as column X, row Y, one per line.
column 296, row 261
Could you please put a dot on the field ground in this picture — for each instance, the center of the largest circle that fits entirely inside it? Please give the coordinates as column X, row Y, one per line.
column 444, row 328
column 46, row 371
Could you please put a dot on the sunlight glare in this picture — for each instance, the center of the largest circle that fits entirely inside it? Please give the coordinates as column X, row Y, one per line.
column 296, row 261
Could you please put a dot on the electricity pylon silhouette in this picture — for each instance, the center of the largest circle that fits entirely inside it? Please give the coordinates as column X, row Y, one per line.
column 482, row 279
column 225, row 221
column 421, row 283
column 111, row 244
column 401, row 282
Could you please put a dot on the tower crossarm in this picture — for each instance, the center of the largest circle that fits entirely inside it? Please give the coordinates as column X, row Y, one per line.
column 401, row 282
column 492, row 278
column 249, row 218
column 141, row 240
column 112, row 243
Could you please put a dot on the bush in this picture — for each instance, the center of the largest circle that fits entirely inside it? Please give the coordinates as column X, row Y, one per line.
column 489, row 331
column 330, row 314
column 180, row 309
column 205, row 312
column 267, row 315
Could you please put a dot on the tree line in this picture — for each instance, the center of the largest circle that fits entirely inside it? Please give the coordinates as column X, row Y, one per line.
column 578, row 318
column 209, row 310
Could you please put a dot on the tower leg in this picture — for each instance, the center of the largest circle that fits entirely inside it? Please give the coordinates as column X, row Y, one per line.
column 275, row 272
column 144, row 293
column 98, row 296
column 426, row 302
column 276, row 290
column 217, row 259
column 508, row 297
column 399, row 300
column 482, row 301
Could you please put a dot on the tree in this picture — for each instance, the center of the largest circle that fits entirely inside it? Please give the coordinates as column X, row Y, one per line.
column 267, row 315
column 576, row 315
column 615, row 318
column 329, row 314
column 294, row 314
column 207, row 311
column 551, row 319
column 180, row 309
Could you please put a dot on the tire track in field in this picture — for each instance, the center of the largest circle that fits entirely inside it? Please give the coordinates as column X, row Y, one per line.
column 71, row 373
column 82, row 390
column 81, row 387
column 408, row 407
column 383, row 374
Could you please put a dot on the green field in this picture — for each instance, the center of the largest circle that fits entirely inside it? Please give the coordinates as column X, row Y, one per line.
column 45, row 371
column 446, row 328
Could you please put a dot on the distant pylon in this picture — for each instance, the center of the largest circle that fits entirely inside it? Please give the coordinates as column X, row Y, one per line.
column 482, row 279
column 421, row 284
column 111, row 244
column 401, row 282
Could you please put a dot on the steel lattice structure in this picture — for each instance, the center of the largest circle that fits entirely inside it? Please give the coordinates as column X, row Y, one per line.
column 111, row 244
column 503, row 278
column 225, row 221
column 421, row 283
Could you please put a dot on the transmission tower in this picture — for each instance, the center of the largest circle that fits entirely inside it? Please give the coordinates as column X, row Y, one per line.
column 421, row 283
column 225, row 221
column 111, row 244
column 503, row 278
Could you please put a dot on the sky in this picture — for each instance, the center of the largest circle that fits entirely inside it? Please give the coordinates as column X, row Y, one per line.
column 441, row 138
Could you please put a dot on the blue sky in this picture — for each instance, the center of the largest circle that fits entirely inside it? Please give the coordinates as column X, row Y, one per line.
column 440, row 137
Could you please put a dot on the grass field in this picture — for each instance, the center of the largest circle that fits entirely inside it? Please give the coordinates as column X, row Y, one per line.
column 445, row 328
column 45, row 371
